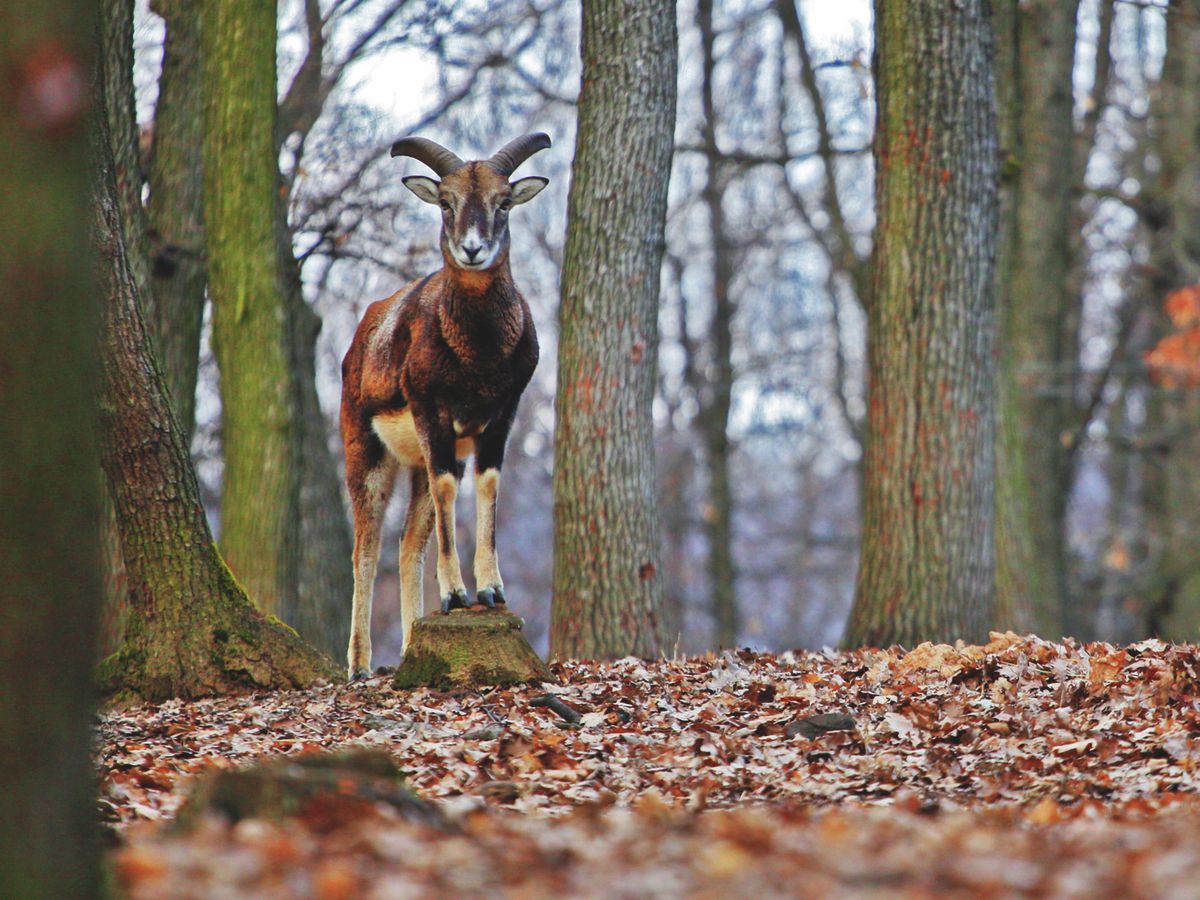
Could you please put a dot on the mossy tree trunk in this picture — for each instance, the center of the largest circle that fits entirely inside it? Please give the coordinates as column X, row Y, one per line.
column 50, row 592
column 607, row 584
column 115, row 63
column 191, row 630
column 1015, row 575
column 260, row 438
column 927, row 570
column 1172, row 480
column 1039, row 312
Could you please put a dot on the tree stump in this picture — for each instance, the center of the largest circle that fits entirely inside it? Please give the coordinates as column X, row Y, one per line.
column 469, row 648
column 321, row 787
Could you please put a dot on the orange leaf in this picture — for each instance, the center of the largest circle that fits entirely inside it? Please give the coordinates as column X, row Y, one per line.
column 1175, row 360
column 1183, row 306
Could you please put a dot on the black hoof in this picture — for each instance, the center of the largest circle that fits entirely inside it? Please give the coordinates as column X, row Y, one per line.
column 487, row 597
column 359, row 675
column 455, row 600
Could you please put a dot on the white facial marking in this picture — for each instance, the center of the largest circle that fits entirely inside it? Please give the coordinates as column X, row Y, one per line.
column 484, row 259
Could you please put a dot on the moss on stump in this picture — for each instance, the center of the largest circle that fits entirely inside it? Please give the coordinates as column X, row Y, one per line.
column 469, row 648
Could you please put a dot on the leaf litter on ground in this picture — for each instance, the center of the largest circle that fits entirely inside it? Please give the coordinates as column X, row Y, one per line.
column 1018, row 767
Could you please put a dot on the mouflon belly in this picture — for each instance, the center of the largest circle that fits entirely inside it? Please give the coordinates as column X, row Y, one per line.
column 399, row 435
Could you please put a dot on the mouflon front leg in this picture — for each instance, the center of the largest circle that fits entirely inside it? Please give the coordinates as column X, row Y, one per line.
column 435, row 430
column 370, row 488
column 489, row 458
column 418, row 525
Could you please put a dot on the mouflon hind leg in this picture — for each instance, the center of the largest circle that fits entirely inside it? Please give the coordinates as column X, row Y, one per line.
column 418, row 525
column 370, row 488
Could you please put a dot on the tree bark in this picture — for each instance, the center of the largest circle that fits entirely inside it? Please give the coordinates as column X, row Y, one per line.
column 1015, row 590
column 191, row 631
column 607, row 584
column 176, row 210
column 260, row 436
column 1173, row 479
column 469, row 649
column 927, row 570
column 715, row 392
column 50, row 593
column 1039, row 313
column 319, row 609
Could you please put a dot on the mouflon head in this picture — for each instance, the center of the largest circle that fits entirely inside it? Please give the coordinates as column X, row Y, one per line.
column 475, row 197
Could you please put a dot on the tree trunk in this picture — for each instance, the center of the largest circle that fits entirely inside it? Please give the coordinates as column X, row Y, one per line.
column 715, row 392
column 1015, row 574
column 1039, row 313
column 1175, row 415
column 191, row 631
column 113, row 577
column 927, row 570
column 176, row 210
column 259, row 433
column 50, row 593
column 607, row 585
column 319, row 609
column 116, row 61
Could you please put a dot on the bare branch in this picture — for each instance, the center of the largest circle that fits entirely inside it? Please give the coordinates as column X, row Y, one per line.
column 842, row 243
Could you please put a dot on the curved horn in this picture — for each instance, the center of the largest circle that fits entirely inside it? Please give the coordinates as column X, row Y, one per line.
column 507, row 158
column 434, row 155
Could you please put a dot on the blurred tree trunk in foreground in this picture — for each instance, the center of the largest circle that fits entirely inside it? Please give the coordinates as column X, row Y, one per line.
column 50, row 590
column 607, row 585
column 191, row 630
column 927, row 569
column 1039, row 312
column 259, row 518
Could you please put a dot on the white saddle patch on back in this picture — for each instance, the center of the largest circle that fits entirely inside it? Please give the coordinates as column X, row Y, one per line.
column 399, row 435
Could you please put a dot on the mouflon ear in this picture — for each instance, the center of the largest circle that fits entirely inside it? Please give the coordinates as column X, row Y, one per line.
column 527, row 188
column 425, row 188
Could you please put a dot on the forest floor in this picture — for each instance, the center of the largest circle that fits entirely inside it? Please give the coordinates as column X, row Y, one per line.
column 1019, row 768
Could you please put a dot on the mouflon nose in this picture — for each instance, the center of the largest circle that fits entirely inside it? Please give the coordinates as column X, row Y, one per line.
column 472, row 251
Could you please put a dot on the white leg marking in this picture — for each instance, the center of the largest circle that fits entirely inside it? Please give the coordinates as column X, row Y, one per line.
column 449, row 569
column 368, row 519
column 487, row 569
column 418, row 525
